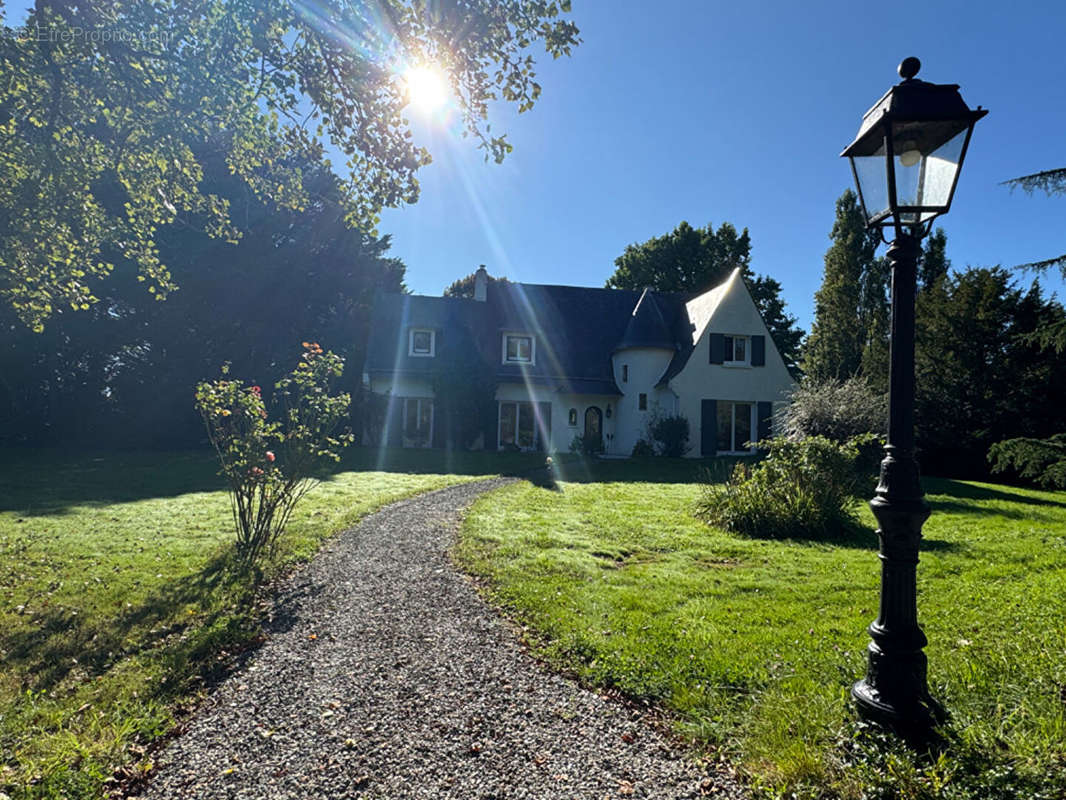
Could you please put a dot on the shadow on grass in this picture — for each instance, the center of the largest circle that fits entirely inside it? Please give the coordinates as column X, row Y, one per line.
column 63, row 640
column 967, row 491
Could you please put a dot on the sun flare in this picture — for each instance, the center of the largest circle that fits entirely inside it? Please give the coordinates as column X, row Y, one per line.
column 427, row 89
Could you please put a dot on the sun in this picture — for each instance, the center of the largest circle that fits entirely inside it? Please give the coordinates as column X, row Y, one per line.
column 427, row 89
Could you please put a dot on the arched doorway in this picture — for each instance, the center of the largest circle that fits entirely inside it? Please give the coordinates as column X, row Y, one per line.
column 593, row 428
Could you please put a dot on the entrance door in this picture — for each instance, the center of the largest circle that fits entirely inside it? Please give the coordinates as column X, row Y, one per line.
column 593, row 428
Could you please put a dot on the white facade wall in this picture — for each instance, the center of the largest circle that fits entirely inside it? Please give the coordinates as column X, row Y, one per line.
column 736, row 314
column 646, row 366
column 562, row 433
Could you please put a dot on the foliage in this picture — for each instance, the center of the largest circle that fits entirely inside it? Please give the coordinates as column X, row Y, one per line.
column 980, row 378
column 838, row 410
column 671, row 435
column 464, row 287
column 1051, row 182
column 803, row 489
column 751, row 645
column 265, row 487
column 933, row 262
column 642, row 449
column 1042, row 461
column 120, row 373
column 101, row 132
column 694, row 260
column 586, row 446
column 847, row 307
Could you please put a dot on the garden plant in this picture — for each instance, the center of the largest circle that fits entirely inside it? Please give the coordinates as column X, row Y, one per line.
column 269, row 464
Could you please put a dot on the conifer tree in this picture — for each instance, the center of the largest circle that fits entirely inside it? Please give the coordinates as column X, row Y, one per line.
column 839, row 332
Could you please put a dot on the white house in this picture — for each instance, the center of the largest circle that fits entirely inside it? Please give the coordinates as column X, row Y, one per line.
column 567, row 361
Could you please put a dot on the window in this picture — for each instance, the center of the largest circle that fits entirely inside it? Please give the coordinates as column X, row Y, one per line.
column 571, row 418
column 417, row 421
column 518, row 424
column 517, row 348
column 625, row 373
column 422, row 343
column 734, row 426
column 736, row 350
column 642, row 402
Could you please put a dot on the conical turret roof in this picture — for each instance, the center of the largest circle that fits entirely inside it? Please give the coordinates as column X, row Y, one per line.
column 647, row 327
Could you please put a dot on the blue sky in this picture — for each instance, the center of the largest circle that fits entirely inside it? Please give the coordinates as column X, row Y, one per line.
column 712, row 112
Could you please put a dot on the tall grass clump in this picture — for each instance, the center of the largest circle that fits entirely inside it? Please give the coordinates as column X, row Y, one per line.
column 803, row 489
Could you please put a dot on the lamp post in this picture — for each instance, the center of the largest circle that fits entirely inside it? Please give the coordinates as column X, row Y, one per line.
column 906, row 161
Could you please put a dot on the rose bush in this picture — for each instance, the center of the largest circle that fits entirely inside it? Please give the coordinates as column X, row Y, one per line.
column 268, row 464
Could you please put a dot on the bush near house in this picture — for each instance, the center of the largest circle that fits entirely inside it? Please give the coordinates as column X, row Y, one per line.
column 803, row 489
column 835, row 409
column 671, row 435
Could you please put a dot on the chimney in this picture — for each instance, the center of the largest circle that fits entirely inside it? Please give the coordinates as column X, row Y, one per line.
column 481, row 283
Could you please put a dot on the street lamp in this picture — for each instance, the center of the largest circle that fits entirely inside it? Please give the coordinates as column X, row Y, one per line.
column 906, row 161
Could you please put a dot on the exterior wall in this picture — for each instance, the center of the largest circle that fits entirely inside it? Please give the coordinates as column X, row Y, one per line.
column 646, row 367
column 735, row 314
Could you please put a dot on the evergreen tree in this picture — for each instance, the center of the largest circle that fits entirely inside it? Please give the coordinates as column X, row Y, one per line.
column 693, row 260
column 933, row 263
column 840, row 332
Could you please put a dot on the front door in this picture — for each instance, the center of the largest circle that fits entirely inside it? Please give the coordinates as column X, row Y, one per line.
column 593, row 428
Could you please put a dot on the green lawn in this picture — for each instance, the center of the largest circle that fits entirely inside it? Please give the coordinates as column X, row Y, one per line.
column 752, row 645
column 119, row 600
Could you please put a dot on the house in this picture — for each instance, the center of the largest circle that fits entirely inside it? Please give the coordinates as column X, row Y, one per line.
column 568, row 361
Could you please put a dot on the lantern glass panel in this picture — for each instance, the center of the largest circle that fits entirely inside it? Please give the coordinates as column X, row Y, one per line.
column 925, row 173
column 871, row 173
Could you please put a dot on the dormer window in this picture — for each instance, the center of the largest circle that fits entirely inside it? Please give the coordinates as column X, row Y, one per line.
column 737, row 351
column 518, row 348
column 422, row 343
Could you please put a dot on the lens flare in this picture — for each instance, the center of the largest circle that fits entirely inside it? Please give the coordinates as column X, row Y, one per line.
column 427, row 89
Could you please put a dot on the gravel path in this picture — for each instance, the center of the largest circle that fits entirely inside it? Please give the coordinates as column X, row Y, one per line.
column 386, row 676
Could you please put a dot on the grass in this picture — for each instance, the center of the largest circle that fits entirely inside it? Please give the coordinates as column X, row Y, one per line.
column 120, row 600
column 752, row 645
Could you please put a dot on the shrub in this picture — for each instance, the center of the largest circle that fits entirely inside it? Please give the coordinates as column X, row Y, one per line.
column 837, row 410
column 586, row 447
column 1042, row 461
column 268, row 465
column 642, row 449
column 671, row 434
column 802, row 489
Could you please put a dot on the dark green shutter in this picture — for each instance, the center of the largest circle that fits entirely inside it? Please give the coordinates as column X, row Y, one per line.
column 758, row 351
column 765, row 413
column 442, row 435
column 717, row 348
column 708, row 427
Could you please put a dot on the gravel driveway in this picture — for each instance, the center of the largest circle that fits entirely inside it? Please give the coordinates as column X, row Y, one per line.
column 386, row 676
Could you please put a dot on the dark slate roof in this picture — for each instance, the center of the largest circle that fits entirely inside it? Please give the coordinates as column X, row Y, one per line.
column 647, row 327
column 576, row 329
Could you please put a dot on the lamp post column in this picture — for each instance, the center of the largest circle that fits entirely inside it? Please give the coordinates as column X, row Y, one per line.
column 894, row 691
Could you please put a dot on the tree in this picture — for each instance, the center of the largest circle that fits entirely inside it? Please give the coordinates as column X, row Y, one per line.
column 1051, row 182
column 933, row 262
column 980, row 378
column 121, row 372
column 846, row 307
column 464, row 287
column 693, row 260
column 100, row 133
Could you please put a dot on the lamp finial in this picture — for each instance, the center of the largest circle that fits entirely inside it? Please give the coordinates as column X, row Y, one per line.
column 909, row 67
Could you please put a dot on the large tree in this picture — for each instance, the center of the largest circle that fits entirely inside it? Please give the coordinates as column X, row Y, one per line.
column 101, row 116
column 849, row 307
column 123, row 371
column 693, row 260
